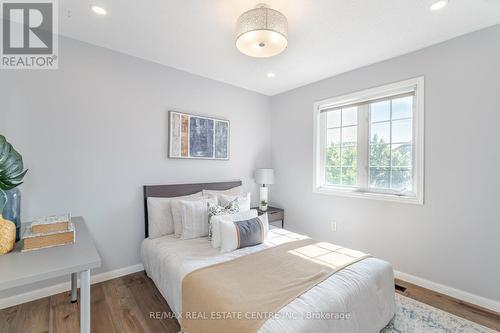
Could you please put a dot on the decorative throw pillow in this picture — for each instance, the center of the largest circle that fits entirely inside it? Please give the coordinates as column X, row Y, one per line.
column 239, row 234
column 244, row 201
column 214, row 210
column 160, row 219
column 177, row 212
column 194, row 216
column 215, row 222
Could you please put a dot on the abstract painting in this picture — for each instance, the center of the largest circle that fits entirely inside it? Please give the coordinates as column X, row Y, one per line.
column 221, row 138
column 201, row 137
column 192, row 136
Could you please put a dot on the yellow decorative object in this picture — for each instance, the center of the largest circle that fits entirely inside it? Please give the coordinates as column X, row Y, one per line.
column 7, row 235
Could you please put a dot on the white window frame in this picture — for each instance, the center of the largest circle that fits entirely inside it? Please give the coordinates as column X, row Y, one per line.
column 319, row 186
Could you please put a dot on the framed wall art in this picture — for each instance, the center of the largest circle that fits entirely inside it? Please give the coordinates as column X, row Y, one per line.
column 193, row 136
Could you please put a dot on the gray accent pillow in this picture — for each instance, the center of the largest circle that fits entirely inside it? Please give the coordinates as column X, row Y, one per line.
column 237, row 234
column 250, row 232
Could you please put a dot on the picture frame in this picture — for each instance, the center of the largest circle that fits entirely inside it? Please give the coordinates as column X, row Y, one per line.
column 192, row 136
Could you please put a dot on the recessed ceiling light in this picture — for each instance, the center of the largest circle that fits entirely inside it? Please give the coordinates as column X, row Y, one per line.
column 98, row 10
column 440, row 4
column 271, row 75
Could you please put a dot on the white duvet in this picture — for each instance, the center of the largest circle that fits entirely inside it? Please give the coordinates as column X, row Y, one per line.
column 361, row 294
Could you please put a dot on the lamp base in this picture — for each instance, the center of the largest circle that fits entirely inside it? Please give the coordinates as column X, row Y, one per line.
column 263, row 199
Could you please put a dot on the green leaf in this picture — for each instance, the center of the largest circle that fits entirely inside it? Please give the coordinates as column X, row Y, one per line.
column 11, row 166
column 6, row 186
column 20, row 176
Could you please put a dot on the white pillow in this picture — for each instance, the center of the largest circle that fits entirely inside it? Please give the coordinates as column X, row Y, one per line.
column 215, row 221
column 194, row 218
column 213, row 210
column 160, row 219
column 244, row 201
column 177, row 213
column 232, row 238
column 238, row 190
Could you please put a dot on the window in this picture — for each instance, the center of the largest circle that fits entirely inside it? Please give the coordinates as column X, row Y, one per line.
column 370, row 143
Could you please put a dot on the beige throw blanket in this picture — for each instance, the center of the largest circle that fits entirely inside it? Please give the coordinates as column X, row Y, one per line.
column 241, row 294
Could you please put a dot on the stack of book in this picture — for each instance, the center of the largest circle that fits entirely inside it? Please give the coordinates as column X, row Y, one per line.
column 49, row 231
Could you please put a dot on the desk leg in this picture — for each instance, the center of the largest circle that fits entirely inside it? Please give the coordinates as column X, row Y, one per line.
column 85, row 301
column 74, row 286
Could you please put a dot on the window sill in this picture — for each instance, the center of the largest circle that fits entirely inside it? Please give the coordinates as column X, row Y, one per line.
column 352, row 193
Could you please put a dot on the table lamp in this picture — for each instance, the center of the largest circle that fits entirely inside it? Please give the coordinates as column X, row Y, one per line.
column 264, row 177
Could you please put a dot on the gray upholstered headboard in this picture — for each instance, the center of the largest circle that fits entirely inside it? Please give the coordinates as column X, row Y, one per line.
column 177, row 190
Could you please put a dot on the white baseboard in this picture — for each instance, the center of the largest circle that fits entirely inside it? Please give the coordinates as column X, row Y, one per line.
column 449, row 291
column 65, row 286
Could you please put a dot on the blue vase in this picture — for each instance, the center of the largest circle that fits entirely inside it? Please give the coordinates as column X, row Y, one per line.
column 12, row 210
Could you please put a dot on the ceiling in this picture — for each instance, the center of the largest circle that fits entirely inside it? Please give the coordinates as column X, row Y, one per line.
column 326, row 37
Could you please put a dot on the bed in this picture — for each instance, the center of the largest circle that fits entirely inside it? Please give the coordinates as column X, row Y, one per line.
column 358, row 298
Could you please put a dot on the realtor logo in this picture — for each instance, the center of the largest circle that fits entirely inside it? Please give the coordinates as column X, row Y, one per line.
column 29, row 34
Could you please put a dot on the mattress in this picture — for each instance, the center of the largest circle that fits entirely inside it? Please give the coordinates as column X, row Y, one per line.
column 359, row 298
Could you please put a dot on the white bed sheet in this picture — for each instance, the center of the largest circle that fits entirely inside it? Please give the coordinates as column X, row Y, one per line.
column 365, row 289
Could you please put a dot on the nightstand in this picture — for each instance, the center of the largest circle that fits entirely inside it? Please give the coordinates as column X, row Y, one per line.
column 274, row 214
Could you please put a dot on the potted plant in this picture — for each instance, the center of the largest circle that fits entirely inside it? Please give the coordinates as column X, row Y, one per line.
column 263, row 205
column 11, row 176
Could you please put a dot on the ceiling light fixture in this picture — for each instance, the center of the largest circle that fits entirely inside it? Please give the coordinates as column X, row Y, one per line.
column 261, row 32
column 271, row 75
column 440, row 4
column 98, row 10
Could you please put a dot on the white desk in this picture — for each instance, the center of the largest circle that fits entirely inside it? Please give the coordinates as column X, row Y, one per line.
column 20, row 268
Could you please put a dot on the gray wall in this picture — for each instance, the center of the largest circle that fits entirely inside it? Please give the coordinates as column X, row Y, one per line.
column 94, row 131
column 453, row 238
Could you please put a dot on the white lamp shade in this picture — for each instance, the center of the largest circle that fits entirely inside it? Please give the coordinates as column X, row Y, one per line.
column 264, row 176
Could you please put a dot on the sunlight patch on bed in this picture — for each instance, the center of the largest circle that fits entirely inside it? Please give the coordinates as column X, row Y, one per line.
column 327, row 254
column 282, row 236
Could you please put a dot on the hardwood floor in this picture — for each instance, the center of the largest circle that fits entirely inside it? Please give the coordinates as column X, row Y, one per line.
column 125, row 304
column 452, row 305
column 119, row 305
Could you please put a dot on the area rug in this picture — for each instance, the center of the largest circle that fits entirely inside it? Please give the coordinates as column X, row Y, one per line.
column 413, row 316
